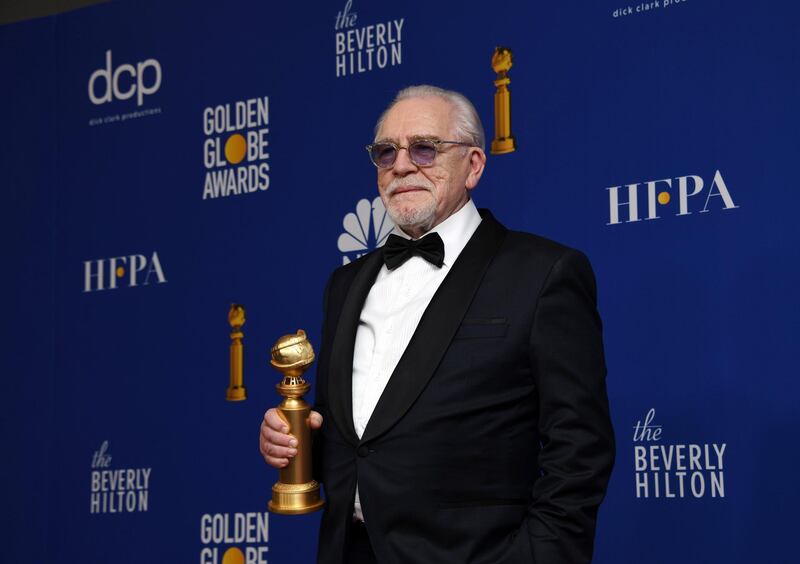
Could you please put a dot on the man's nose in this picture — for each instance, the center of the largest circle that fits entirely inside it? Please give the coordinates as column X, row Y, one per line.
column 402, row 163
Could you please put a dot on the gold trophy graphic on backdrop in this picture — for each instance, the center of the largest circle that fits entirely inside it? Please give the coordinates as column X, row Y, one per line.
column 236, row 390
column 503, row 141
column 295, row 492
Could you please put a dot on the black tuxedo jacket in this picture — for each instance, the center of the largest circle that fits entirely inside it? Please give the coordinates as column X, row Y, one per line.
column 492, row 441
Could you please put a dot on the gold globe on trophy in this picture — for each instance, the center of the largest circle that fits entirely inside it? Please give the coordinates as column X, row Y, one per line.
column 295, row 492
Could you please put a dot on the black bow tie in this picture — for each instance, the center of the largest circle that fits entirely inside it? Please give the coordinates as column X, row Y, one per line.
column 398, row 250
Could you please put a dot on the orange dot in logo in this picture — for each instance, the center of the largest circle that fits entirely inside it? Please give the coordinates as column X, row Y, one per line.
column 235, row 148
column 120, row 272
column 663, row 198
column 233, row 556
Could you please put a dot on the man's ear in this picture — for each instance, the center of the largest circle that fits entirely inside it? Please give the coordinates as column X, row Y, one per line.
column 477, row 162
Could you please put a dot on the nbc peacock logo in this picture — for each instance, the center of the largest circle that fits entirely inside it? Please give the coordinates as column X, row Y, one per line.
column 364, row 230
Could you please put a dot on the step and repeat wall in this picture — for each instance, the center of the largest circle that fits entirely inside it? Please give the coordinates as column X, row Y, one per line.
column 162, row 161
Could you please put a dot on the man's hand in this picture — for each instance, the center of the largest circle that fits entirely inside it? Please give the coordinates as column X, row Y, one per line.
column 277, row 447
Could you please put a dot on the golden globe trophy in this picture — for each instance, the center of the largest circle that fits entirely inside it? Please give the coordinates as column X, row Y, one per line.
column 236, row 390
column 295, row 492
column 503, row 141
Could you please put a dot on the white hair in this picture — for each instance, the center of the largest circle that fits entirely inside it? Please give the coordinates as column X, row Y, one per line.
column 468, row 127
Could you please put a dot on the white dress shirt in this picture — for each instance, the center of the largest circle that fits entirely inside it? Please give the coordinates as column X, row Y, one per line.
column 392, row 311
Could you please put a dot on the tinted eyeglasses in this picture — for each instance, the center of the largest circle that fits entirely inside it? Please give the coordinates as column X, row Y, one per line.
column 421, row 152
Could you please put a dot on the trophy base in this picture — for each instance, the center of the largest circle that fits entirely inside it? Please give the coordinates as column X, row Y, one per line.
column 503, row 145
column 295, row 499
column 236, row 394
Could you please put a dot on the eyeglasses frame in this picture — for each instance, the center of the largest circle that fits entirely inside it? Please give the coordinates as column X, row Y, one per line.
column 434, row 142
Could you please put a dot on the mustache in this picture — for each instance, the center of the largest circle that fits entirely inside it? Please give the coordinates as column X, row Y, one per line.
column 416, row 181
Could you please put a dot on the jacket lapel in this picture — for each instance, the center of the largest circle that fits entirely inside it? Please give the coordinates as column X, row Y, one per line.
column 340, row 380
column 436, row 329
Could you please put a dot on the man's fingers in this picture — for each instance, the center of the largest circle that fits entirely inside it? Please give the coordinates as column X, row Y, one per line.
column 280, row 439
column 315, row 420
column 276, row 451
column 276, row 462
column 275, row 430
column 274, row 421
column 276, row 444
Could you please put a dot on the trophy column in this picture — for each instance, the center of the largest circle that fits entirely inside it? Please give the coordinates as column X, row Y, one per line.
column 296, row 492
column 236, row 390
column 503, row 141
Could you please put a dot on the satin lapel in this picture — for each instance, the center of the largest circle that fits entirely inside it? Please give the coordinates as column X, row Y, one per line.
column 436, row 328
column 340, row 382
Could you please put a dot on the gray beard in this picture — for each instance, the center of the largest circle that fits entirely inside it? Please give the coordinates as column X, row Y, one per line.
column 421, row 218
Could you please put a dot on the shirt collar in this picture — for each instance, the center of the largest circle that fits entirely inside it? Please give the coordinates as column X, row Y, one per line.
column 455, row 231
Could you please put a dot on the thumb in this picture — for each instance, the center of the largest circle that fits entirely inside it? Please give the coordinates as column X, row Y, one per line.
column 315, row 420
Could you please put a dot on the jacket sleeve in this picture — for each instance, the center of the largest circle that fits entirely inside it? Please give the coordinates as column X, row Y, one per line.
column 321, row 382
column 577, row 439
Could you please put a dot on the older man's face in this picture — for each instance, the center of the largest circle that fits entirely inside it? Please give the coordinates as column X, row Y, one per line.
column 419, row 198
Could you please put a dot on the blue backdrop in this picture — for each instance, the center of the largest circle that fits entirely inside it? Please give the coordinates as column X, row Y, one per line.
column 128, row 231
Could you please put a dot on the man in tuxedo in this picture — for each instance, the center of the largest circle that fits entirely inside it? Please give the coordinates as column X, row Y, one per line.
column 461, row 406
